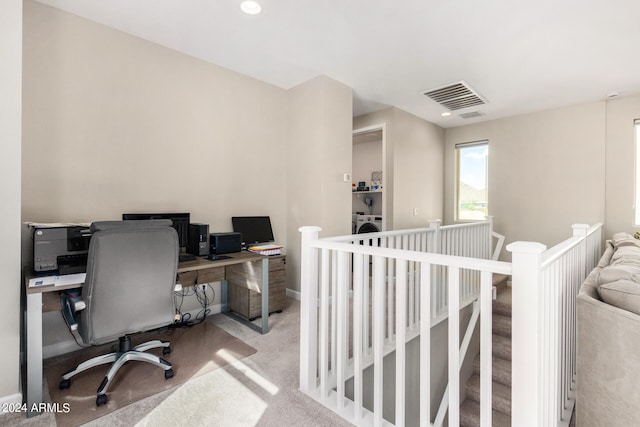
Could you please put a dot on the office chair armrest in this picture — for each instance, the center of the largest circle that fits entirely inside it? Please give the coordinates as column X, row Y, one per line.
column 70, row 305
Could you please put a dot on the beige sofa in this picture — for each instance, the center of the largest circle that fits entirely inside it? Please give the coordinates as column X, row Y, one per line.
column 608, row 352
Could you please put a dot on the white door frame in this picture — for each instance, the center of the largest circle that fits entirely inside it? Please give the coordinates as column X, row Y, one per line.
column 373, row 128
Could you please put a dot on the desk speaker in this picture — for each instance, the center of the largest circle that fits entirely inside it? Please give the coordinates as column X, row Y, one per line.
column 225, row 243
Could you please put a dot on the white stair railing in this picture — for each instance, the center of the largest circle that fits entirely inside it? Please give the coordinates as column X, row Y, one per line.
column 363, row 299
column 362, row 302
column 545, row 284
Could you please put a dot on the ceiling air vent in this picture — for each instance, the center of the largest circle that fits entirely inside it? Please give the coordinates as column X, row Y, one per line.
column 455, row 96
column 471, row 114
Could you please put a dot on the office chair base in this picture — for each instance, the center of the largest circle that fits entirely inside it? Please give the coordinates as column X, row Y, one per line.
column 118, row 359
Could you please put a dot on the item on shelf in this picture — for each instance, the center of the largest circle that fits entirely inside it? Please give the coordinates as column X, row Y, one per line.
column 362, row 189
column 376, row 181
column 361, row 183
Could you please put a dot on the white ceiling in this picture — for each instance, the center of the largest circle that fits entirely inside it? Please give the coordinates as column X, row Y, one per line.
column 522, row 56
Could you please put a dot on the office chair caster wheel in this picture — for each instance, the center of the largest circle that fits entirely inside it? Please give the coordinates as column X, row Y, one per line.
column 64, row 384
column 168, row 374
column 101, row 399
column 166, row 350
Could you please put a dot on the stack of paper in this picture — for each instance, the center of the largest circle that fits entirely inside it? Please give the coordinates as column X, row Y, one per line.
column 266, row 249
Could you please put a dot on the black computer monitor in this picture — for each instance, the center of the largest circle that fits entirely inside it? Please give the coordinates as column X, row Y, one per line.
column 254, row 229
column 180, row 222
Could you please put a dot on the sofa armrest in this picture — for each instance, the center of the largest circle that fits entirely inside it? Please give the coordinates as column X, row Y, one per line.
column 608, row 364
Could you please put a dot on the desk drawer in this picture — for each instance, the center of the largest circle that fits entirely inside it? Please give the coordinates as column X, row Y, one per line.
column 277, row 263
column 188, row 278
column 210, row 275
column 199, row 277
column 249, row 275
column 244, row 296
column 248, row 304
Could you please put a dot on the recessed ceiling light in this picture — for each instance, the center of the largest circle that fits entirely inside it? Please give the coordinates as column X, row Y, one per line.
column 446, row 114
column 250, row 7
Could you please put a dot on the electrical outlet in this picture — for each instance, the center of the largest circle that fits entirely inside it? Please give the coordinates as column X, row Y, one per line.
column 415, row 211
column 347, row 177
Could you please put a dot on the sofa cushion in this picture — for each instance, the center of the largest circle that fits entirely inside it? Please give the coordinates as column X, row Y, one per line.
column 626, row 255
column 617, row 272
column 623, row 294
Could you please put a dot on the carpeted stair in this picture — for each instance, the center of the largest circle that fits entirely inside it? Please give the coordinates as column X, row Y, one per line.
column 501, row 366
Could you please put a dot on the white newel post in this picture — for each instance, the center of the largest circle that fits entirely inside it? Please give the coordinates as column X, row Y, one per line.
column 526, row 343
column 308, row 308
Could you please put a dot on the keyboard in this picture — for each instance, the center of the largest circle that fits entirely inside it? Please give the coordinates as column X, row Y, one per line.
column 186, row 257
column 213, row 257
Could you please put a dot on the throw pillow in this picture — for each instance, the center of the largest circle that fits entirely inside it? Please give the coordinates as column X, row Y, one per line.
column 624, row 239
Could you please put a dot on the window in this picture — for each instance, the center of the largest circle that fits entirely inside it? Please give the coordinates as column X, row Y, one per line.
column 471, row 181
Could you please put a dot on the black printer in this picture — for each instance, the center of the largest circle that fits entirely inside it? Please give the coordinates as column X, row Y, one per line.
column 60, row 248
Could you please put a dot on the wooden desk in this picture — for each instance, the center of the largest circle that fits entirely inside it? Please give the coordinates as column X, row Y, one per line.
column 199, row 271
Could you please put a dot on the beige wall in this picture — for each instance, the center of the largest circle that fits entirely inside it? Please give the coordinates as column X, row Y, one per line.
column 546, row 171
column 10, row 129
column 116, row 124
column 620, row 155
column 318, row 156
column 414, row 167
column 418, row 171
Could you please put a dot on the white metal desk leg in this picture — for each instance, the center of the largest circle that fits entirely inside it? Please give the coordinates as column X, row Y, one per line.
column 34, row 352
column 224, row 295
column 265, row 295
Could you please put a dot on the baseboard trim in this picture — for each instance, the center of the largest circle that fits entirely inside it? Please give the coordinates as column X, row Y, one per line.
column 293, row 294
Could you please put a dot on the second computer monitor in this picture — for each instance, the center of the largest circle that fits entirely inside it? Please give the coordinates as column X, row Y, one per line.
column 254, row 229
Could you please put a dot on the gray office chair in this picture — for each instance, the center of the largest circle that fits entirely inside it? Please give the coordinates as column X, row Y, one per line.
column 131, row 276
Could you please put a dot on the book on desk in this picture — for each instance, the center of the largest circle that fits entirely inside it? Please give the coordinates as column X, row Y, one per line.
column 268, row 249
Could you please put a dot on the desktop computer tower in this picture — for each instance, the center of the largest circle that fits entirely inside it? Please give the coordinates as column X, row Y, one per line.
column 198, row 243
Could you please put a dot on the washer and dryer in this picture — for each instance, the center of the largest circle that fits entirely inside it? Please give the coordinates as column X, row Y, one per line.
column 368, row 223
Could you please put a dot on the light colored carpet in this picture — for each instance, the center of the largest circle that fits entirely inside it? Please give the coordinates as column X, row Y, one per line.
column 259, row 390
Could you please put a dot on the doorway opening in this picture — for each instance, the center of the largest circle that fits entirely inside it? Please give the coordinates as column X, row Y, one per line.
column 369, row 191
